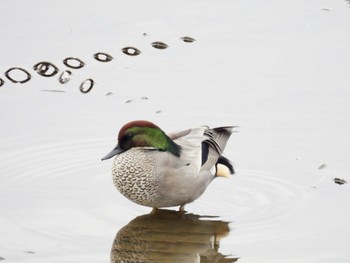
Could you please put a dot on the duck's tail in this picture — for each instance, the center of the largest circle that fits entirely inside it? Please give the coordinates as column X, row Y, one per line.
column 218, row 137
column 213, row 147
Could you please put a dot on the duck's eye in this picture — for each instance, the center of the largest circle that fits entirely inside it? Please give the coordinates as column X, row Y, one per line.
column 128, row 135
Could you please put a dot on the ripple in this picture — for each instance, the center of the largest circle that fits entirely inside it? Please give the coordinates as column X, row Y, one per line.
column 254, row 201
column 46, row 184
column 43, row 187
column 264, row 197
column 49, row 160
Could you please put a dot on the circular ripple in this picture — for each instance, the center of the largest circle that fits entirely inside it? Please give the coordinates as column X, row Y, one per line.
column 49, row 160
column 254, row 200
column 43, row 187
column 260, row 196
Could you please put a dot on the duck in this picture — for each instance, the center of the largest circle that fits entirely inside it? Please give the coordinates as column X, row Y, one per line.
column 159, row 170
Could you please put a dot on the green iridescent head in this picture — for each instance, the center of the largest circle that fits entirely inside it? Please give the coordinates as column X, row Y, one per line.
column 143, row 134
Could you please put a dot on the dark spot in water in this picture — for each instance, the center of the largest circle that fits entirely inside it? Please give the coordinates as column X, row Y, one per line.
column 29, row 252
column 45, row 69
column 322, row 166
column 48, row 69
column 340, row 181
column 1, row 258
column 86, row 86
column 129, row 101
column 74, row 63
column 158, row 111
column 65, row 76
column 53, row 90
column 159, row 45
column 131, row 51
column 144, row 98
column 103, row 57
column 188, row 39
column 18, row 71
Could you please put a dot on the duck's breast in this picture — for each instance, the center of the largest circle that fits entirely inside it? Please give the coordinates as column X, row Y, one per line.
column 134, row 175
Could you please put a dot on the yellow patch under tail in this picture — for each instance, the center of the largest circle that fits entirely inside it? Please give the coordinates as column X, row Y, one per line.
column 223, row 171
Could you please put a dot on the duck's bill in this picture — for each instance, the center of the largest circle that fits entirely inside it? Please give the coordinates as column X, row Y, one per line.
column 114, row 152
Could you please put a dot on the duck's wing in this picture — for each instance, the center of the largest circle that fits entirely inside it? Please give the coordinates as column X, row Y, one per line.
column 190, row 143
column 203, row 147
column 178, row 134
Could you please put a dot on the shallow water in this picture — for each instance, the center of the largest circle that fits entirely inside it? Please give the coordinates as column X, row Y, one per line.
column 286, row 66
column 61, row 209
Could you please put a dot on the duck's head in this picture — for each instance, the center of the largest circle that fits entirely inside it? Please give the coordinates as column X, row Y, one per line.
column 143, row 134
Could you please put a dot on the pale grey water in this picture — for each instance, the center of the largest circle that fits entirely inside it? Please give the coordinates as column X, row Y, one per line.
column 285, row 64
column 61, row 198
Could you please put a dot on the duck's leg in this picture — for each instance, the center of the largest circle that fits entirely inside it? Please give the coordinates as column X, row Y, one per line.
column 154, row 210
column 182, row 208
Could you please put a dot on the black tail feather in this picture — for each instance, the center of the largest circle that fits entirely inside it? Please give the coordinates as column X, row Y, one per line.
column 205, row 152
column 224, row 161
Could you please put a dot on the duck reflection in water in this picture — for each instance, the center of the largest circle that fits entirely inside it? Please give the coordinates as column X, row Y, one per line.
column 170, row 236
